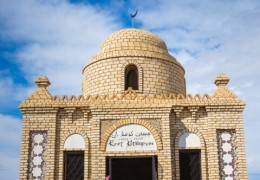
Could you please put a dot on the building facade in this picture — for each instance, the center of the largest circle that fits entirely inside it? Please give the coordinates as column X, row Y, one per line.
column 133, row 120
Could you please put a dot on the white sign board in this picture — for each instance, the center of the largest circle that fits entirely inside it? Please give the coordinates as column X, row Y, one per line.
column 131, row 137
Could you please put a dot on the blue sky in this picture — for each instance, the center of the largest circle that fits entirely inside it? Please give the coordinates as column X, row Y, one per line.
column 57, row 37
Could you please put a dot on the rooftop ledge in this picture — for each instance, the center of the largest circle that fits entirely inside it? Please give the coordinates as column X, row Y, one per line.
column 222, row 95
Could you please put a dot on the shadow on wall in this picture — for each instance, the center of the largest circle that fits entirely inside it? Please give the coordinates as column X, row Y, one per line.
column 160, row 171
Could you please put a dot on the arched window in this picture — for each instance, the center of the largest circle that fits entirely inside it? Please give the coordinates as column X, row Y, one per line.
column 189, row 156
column 131, row 77
column 74, row 147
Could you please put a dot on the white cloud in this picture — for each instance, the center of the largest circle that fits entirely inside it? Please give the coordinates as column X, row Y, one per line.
column 183, row 57
column 212, row 37
column 10, row 141
column 10, row 92
column 58, row 38
column 212, row 31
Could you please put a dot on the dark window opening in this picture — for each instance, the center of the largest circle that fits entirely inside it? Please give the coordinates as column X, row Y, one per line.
column 132, row 168
column 190, row 165
column 74, row 165
column 131, row 77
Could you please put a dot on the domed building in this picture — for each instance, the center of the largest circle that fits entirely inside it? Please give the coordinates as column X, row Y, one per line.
column 133, row 121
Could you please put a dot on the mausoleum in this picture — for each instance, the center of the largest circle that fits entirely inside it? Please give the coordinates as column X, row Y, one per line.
column 133, row 121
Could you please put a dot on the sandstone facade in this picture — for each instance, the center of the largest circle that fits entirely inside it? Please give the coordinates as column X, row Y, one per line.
column 160, row 105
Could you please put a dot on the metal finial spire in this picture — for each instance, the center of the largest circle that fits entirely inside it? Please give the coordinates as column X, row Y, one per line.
column 133, row 16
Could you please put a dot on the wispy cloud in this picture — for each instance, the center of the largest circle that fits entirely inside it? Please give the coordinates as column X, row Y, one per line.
column 11, row 93
column 218, row 36
column 58, row 38
column 10, row 141
column 55, row 38
column 211, row 37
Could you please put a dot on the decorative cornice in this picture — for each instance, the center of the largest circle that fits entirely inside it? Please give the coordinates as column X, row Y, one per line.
column 131, row 96
column 222, row 96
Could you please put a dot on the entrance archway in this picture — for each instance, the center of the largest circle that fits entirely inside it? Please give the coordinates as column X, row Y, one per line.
column 132, row 168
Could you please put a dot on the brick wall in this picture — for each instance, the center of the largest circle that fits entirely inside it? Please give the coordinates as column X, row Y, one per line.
column 156, row 76
column 161, row 105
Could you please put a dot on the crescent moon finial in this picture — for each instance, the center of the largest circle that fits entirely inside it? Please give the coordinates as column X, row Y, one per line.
column 133, row 16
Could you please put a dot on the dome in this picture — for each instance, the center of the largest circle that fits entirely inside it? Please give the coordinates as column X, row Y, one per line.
column 133, row 42
column 133, row 58
column 138, row 39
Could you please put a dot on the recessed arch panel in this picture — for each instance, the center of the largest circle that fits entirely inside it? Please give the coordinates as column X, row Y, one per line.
column 131, row 77
column 131, row 137
column 121, row 123
column 74, row 141
column 189, row 140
